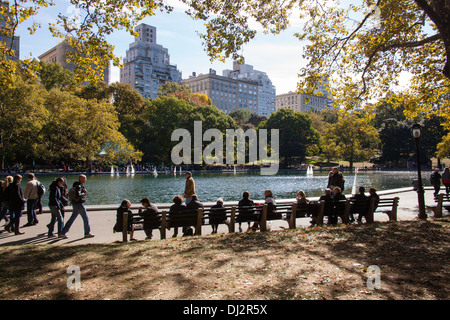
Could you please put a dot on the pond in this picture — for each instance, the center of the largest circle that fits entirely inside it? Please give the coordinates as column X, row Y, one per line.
column 107, row 189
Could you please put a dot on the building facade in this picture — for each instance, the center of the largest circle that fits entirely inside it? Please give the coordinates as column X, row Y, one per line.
column 57, row 54
column 226, row 93
column 240, row 88
column 147, row 64
column 306, row 102
column 266, row 90
column 302, row 102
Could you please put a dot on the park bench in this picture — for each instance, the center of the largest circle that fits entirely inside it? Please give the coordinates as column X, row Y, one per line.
column 385, row 205
column 442, row 200
column 314, row 209
column 230, row 215
column 187, row 218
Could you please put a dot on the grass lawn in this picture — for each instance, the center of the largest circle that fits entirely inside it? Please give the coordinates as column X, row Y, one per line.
column 318, row 263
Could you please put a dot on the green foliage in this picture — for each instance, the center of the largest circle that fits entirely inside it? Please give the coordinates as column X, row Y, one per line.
column 352, row 139
column 166, row 114
column 52, row 75
column 297, row 134
column 57, row 125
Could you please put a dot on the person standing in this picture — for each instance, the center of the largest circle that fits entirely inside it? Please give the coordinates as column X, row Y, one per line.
column 16, row 203
column 56, row 205
column 31, row 194
column 336, row 179
column 77, row 196
column 446, row 180
column 189, row 189
column 435, row 180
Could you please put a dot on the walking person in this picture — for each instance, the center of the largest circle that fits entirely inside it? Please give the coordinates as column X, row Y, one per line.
column 16, row 203
column 31, row 194
column 446, row 180
column 4, row 199
column 77, row 196
column 56, row 205
column 435, row 180
column 189, row 189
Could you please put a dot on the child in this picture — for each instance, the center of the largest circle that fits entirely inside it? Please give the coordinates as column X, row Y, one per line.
column 124, row 208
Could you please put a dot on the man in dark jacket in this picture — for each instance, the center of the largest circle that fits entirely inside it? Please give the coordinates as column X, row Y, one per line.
column 16, row 204
column 360, row 206
column 338, row 206
column 246, row 211
column 435, row 180
column 150, row 214
column 336, row 179
column 194, row 204
column 177, row 208
column 77, row 195
column 328, row 206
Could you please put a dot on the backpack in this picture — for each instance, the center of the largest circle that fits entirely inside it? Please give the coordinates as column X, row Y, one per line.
column 73, row 195
column 40, row 190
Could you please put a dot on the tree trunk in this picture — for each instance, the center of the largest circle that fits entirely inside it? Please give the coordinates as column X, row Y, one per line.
column 439, row 12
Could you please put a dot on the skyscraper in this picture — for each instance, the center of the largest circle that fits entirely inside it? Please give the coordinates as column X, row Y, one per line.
column 147, row 64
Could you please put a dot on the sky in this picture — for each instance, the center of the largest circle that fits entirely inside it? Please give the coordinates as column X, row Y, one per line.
column 277, row 55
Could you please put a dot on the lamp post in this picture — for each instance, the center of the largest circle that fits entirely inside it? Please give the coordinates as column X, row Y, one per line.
column 416, row 132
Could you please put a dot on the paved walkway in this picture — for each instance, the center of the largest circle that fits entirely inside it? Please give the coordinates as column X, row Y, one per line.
column 102, row 223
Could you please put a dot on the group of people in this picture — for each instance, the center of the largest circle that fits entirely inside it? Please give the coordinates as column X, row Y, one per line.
column 13, row 201
column 435, row 180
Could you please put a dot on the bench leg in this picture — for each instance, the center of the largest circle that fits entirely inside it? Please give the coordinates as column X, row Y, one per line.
column 319, row 219
column 163, row 225
column 125, row 228
column 263, row 221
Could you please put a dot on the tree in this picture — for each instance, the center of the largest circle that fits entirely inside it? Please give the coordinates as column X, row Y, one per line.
column 21, row 114
column 130, row 107
column 241, row 116
column 355, row 139
column 296, row 134
column 52, row 75
column 361, row 50
column 166, row 114
column 396, row 141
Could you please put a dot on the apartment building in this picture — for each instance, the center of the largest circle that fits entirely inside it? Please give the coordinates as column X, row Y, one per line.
column 147, row 64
